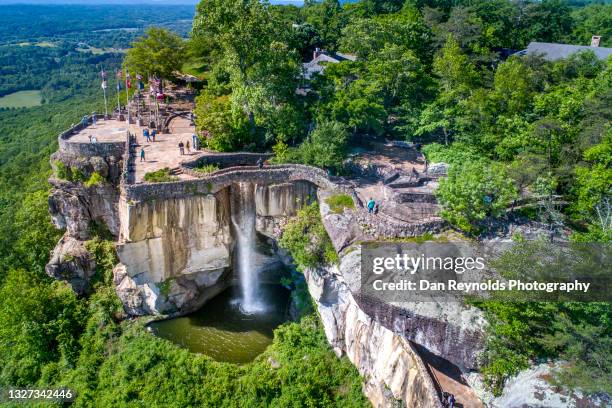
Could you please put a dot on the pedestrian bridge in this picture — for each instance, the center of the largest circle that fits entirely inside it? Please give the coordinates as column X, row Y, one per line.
column 218, row 180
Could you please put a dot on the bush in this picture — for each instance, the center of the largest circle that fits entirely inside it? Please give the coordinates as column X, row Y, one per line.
column 160, row 176
column 207, row 169
column 325, row 147
column 474, row 191
column 61, row 172
column 337, row 203
column 94, row 180
column 227, row 131
column 307, row 241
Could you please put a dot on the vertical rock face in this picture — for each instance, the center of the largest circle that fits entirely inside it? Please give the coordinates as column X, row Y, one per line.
column 275, row 203
column 393, row 372
column 81, row 210
column 174, row 253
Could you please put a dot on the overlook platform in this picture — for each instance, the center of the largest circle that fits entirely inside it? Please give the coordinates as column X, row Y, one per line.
column 104, row 131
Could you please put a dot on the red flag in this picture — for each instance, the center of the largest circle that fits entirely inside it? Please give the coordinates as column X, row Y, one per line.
column 129, row 83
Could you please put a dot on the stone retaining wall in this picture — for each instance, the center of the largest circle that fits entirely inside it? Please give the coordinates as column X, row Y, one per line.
column 211, row 183
column 224, row 160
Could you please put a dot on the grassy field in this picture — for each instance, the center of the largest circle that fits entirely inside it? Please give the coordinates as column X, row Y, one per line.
column 21, row 99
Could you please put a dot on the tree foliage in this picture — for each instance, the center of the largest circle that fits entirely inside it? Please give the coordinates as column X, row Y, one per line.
column 159, row 52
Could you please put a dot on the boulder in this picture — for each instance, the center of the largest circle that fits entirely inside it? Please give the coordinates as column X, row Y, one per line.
column 72, row 262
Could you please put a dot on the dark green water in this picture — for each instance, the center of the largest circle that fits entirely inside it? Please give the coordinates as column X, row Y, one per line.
column 222, row 331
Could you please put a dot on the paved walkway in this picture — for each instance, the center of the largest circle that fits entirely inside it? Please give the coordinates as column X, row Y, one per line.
column 164, row 152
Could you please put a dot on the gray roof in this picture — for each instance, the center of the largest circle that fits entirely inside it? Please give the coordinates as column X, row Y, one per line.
column 553, row 52
column 317, row 65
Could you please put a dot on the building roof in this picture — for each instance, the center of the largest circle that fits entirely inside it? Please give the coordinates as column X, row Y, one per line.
column 317, row 65
column 553, row 52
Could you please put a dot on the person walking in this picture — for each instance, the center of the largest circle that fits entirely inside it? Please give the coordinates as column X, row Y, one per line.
column 187, row 147
column 260, row 163
column 181, row 148
column 153, row 134
column 145, row 133
column 142, row 155
column 371, row 205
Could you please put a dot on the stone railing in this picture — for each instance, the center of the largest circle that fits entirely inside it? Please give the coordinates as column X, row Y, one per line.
column 86, row 148
column 212, row 183
column 223, row 160
column 173, row 115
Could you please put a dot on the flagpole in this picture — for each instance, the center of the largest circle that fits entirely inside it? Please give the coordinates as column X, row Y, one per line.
column 118, row 96
column 104, row 86
column 105, row 105
column 127, row 96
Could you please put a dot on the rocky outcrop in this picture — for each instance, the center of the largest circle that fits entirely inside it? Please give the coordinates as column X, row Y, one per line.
column 393, row 372
column 532, row 388
column 176, row 253
column 72, row 262
column 83, row 211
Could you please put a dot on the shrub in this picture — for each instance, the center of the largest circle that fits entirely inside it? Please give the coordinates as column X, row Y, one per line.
column 474, row 191
column 94, row 180
column 160, row 176
column 337, row 203
column 61, row 172
column 207, row 169
column 307, row 241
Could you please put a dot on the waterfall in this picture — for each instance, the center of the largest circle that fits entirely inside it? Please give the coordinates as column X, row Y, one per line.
column 243, row 219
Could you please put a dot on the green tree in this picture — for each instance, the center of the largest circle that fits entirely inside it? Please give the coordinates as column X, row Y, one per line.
column 223, row 129
column 39, row 324
column 159, row 52
column 474, row 191
column 247, row 40
column 325, row 147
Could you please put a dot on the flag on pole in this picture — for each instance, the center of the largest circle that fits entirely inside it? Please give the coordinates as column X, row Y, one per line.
column 119, row 77
column 104, row 75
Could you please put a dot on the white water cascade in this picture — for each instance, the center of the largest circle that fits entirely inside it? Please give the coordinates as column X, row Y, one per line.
column 243, row 219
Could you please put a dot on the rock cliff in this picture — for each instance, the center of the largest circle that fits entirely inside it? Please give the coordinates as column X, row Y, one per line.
column 177, row 253
column 83, row 201
column 393, row 373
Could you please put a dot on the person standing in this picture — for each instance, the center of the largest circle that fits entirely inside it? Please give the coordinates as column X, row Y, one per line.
column 195, row 142
column 181, row 148
column 153, row 134
column 145, row 133
column 187, row 146
column 371, row 205
column 142, row 155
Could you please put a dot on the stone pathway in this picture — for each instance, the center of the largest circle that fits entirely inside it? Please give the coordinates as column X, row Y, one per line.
column 164, row 152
